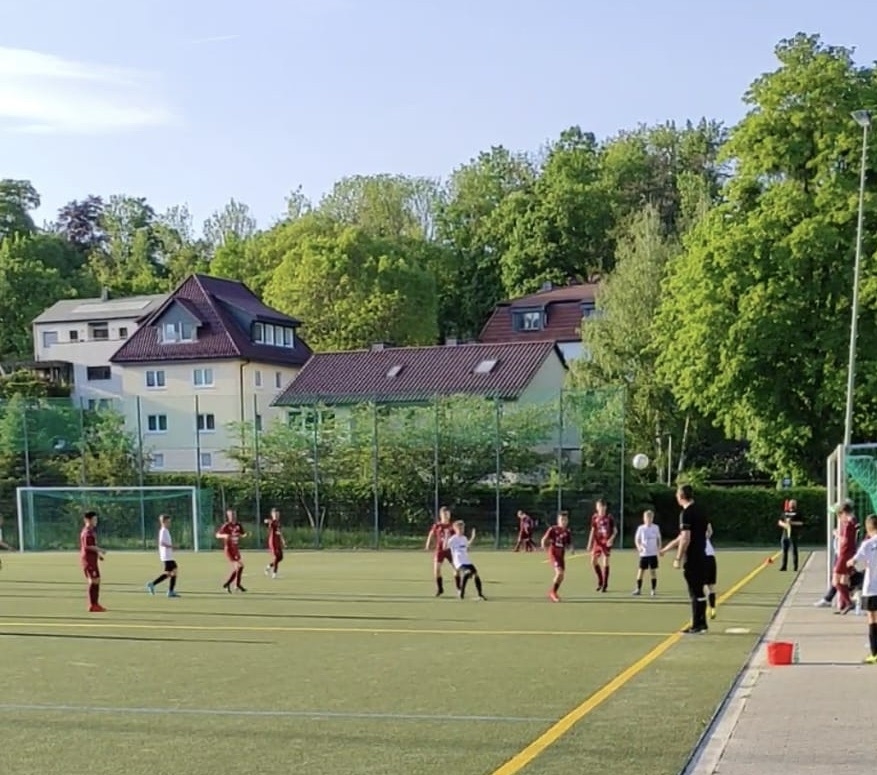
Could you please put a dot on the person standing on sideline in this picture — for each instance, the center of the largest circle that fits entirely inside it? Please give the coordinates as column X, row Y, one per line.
column 847, row 531
column 89, row 555
column 648, row 544
column 690, row 547
column 791, row 524
column 867, row 556
column 525, row 532
column 166, row 556
column 712, row 572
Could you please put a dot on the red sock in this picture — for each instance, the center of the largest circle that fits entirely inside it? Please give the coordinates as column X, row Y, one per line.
column 843, row 593
column 231, row 579
column 238, row 574
column 599, row 571
column 606, row 576
column 93, row 594
column 555, row 587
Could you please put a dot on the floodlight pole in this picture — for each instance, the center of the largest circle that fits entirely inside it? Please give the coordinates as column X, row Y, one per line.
column 863, row 119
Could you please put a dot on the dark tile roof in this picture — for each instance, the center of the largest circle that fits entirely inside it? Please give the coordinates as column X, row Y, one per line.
column 562, row 308
column 211, row 300
column 418, row 373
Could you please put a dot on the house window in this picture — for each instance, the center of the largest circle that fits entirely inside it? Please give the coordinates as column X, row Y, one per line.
column 394, row 371
column 98, row 403
column 123, row 333
column 257, row 378
column 288, row 337
column 203, row 377
column 155, row 379
column 531, row 320
column 50, row 338
column 278, row 336
column 99, row 331
column 589, row 309
column 96, row 373
column 206, row 422
column 156, row 423
column 74, row 335
column 258, row 423
column 485, row 367
column 158, row 459
column 258, row 333
column 205, row 459
column 181, row 331
column 278, row 379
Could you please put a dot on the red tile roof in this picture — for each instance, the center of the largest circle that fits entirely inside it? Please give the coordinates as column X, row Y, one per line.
column 416, row 373
column 562, row 308
column 211, row 300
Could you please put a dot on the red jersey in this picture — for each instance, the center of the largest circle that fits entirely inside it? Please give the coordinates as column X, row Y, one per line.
column 441, row 532
column 526, row 525
column 603, row 527
column 559, row 539
column 234, row 531
column 87, row 539
column 846, row 545
column 274, row 536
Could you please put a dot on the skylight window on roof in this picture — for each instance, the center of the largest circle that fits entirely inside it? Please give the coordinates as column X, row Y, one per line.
column 394, row 371
column 485, row 367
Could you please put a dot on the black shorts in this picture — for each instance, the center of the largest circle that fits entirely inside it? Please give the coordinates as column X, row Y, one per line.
column 471, row 569
column 710, row 570
column 648, row 563
column 169, row 565
column 870, row 603
column 857, row 579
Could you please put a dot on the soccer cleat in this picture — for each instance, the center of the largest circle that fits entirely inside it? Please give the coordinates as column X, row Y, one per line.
column 653, row 593
column 821, row 603
column 636, row 593
column 173, row 593
column 150, row 588
column 553, row 597
column 275, row 576
column 240, row 588
column 871, row 660
column 96, row 609
column 481, row 598
column 227, row 588
column 604, row 589
column 267, row 570
column 712, row 613
column 694, row 630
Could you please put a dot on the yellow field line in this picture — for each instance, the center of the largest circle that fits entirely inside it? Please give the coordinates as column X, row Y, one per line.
column 358, row 630
column 555, row 732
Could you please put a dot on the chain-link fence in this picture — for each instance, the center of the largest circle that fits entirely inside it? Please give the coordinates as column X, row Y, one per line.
column 368, row 474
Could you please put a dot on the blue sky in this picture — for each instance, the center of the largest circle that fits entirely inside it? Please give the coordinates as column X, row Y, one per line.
column 197, row 101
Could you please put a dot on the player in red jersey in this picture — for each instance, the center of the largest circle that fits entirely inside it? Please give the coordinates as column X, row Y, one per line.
column 525, row 532
column 600, row 540
column 276, row 543
column 847, row 533
column 231, row 534
column 440, row 532
column 557, row 540
column 89, row 555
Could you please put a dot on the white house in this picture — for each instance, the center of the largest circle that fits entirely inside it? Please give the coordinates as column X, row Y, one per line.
column 86, row 333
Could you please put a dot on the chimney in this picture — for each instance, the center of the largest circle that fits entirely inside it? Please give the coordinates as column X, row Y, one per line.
column 547, row 286
column 451, row 341
column 377, row 347
column 104, row 294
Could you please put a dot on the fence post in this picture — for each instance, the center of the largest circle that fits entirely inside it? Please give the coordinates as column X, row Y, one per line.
column 257, row 467
column 318, row 524
column 498, row 450
column 198, row 446
column 141, row 463
column 375, row 474
column 83, row 445
column 436, row 496
column 623, row 470
column 26, row 445
column 560, row 451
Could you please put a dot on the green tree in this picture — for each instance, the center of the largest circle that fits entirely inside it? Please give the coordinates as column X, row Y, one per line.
column 79, row 222
column 107, row 454
column 351, row 288
column 753, row 324
column 179, row 252
column 18, row 198
column 234, row 222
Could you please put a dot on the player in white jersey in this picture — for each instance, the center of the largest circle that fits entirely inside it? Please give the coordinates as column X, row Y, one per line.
column 166, row 555
column 458, row 545
column 866, row 557
column 648, row 545
column 710, row 572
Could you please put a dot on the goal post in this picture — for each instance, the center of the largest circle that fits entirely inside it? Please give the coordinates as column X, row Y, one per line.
column 50, row 518
column 851, row 476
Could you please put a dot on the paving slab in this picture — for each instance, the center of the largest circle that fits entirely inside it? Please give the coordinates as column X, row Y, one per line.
column 809, row 718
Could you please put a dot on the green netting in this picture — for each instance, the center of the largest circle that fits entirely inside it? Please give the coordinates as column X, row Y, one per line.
column 50, row 519
column 862, row 485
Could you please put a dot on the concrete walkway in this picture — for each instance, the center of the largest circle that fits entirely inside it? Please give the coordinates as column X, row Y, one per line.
column 811, row 718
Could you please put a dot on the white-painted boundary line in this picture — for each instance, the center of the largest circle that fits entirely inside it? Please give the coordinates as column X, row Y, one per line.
column 300, row 714
column 707, row 757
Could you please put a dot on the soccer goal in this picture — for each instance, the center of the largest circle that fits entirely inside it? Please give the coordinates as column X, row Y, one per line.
column 851, row 475
column 50, row 518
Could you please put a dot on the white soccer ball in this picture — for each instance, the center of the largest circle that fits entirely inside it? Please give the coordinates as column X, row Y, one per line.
column 640, row 461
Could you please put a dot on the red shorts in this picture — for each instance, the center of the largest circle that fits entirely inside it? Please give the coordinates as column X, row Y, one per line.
column 557, row 560
column 440, row 557
column 840, row 566
column 601, row 550
column 91, row 571
column 277, row 551
column 233, row 555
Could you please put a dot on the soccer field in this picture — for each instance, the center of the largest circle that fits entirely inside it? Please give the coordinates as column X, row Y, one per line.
column 348, row 664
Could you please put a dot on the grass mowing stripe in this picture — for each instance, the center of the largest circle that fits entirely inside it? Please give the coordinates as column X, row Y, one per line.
column 561, row 727
column 299, row 714
column 320, row 630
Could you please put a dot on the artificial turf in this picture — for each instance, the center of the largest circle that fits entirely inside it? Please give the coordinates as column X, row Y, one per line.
column 348, row 664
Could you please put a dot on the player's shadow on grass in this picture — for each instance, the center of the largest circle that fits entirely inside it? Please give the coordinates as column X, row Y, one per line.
column 132, row 638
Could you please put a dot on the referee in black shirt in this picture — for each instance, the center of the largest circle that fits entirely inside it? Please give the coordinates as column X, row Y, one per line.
column 690, row 547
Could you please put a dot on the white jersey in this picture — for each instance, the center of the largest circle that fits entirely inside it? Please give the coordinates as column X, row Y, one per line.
column 165, row 553
column 648, row 538
column 710, row 549
column 867, row 557
column 459, row 548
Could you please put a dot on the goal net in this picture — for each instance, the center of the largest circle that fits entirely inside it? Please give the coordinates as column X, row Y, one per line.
column 50, row 518
column 851, row 476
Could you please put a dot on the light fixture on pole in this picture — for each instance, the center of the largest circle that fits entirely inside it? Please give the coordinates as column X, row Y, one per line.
column 863, row 119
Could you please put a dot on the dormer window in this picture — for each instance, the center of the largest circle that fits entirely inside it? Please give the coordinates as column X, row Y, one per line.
column 274, row 335
column 179, row 331
column 589, row 309
column 529, row 320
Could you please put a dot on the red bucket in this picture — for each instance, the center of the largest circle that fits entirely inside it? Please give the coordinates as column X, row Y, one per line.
column 780, row 653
